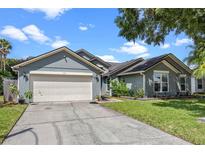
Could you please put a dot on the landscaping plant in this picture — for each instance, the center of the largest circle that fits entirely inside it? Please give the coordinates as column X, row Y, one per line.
column 119, row 88
column 139, row 93
column 28, row 94
column 14, row 90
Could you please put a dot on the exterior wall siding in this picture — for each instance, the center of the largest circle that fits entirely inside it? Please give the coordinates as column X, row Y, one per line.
column 173, row 80
column 104, row 86
column 133, row 82
column 60, row 62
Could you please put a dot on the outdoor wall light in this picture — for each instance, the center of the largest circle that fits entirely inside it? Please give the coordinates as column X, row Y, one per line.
column 97, row 78
column 25, row 76
column 65, row 57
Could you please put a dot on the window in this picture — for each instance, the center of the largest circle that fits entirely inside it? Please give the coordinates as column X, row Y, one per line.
column 161, row 83
column 183, row 83
column 199, row 83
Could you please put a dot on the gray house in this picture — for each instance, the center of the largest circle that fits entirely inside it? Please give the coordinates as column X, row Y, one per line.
column 65, row 75
column 198, row 85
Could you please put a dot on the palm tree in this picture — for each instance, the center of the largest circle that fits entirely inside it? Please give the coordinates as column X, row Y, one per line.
column 197, row 58
column 5, row 48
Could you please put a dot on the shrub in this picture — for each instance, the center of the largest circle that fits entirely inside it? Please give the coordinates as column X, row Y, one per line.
column 131, row 93
column 119, row 88
column 28, row 94
column 14, row 90
column 139, row 93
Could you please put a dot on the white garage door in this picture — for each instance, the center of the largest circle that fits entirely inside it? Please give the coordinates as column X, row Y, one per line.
column 47, row 88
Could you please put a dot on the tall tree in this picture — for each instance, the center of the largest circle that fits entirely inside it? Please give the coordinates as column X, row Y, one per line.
column 153, row 25
column 5, row 48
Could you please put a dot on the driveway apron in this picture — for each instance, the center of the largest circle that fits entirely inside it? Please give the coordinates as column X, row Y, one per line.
column 82, row 123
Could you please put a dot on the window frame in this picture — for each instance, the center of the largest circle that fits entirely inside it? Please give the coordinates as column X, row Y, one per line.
column 201, row 84
column 185, row 83
column 161, row 82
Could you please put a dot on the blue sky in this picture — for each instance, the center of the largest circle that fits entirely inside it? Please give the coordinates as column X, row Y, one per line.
column 35, row 31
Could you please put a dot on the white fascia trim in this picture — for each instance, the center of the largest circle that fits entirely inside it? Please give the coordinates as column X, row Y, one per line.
column 61, row 73
column 182, row 75
column 54, row 52
column 130, row 73
column 180, row 63
column 170, row 66
column 159, row 71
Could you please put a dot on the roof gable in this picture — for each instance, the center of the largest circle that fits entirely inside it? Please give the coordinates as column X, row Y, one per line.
column 62, row 49
column 90, row 57
column 147, row 64
column 115, row 69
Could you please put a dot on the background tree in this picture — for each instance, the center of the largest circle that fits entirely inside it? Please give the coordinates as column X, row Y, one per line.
column 5, row 48
column 153, row 25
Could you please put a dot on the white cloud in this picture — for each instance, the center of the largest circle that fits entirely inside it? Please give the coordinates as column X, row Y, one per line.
column 131, row 48
column 51, row 13
column 35, row 33
column 180, row 42
column 59, row 43
column 165, row 46
column 84, row 27
column 91, row 25
column 108, row 58
column 14, row 33
column 143, row 55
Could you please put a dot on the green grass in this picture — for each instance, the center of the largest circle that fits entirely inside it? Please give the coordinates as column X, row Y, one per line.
column 1, row 98
column 177, row 117
column 9, row 114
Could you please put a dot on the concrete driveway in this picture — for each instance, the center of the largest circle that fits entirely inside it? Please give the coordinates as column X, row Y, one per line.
column 83, row 123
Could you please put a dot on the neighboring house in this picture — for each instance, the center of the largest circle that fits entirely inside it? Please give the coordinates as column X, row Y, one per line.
column 65, row 75
column 198, row 85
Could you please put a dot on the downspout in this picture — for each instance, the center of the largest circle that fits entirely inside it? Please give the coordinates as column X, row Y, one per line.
column 144, row 86
column 100, row 85
column 110, row 86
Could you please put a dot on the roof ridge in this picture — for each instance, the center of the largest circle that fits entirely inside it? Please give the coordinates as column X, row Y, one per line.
column 122, row 67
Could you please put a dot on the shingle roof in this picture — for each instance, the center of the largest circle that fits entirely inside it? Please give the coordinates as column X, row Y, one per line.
column 117, row 67
column 92, row 57
column 145, row 64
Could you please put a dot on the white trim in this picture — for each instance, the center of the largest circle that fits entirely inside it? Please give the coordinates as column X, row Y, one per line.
column 159, row 71
column 61, row 73
column 193, row 84
column 18, row 84
column 91, row 89
column 180, row 63
column 130, row 73
column 144, row 83
column 202, row 89
column 69, row 51
column 170, row 66
column 183, row 76
column 18, row 80
column 162, row 72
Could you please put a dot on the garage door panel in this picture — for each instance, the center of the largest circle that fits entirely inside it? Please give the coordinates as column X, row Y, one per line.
column 61, row 88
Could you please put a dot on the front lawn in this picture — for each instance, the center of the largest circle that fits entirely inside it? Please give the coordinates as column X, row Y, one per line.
column 178, row 117
column 9, row 114
column 1, row 98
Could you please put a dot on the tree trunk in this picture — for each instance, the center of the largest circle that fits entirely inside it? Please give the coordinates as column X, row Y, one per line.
column 4, row 62
column 1, row 61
